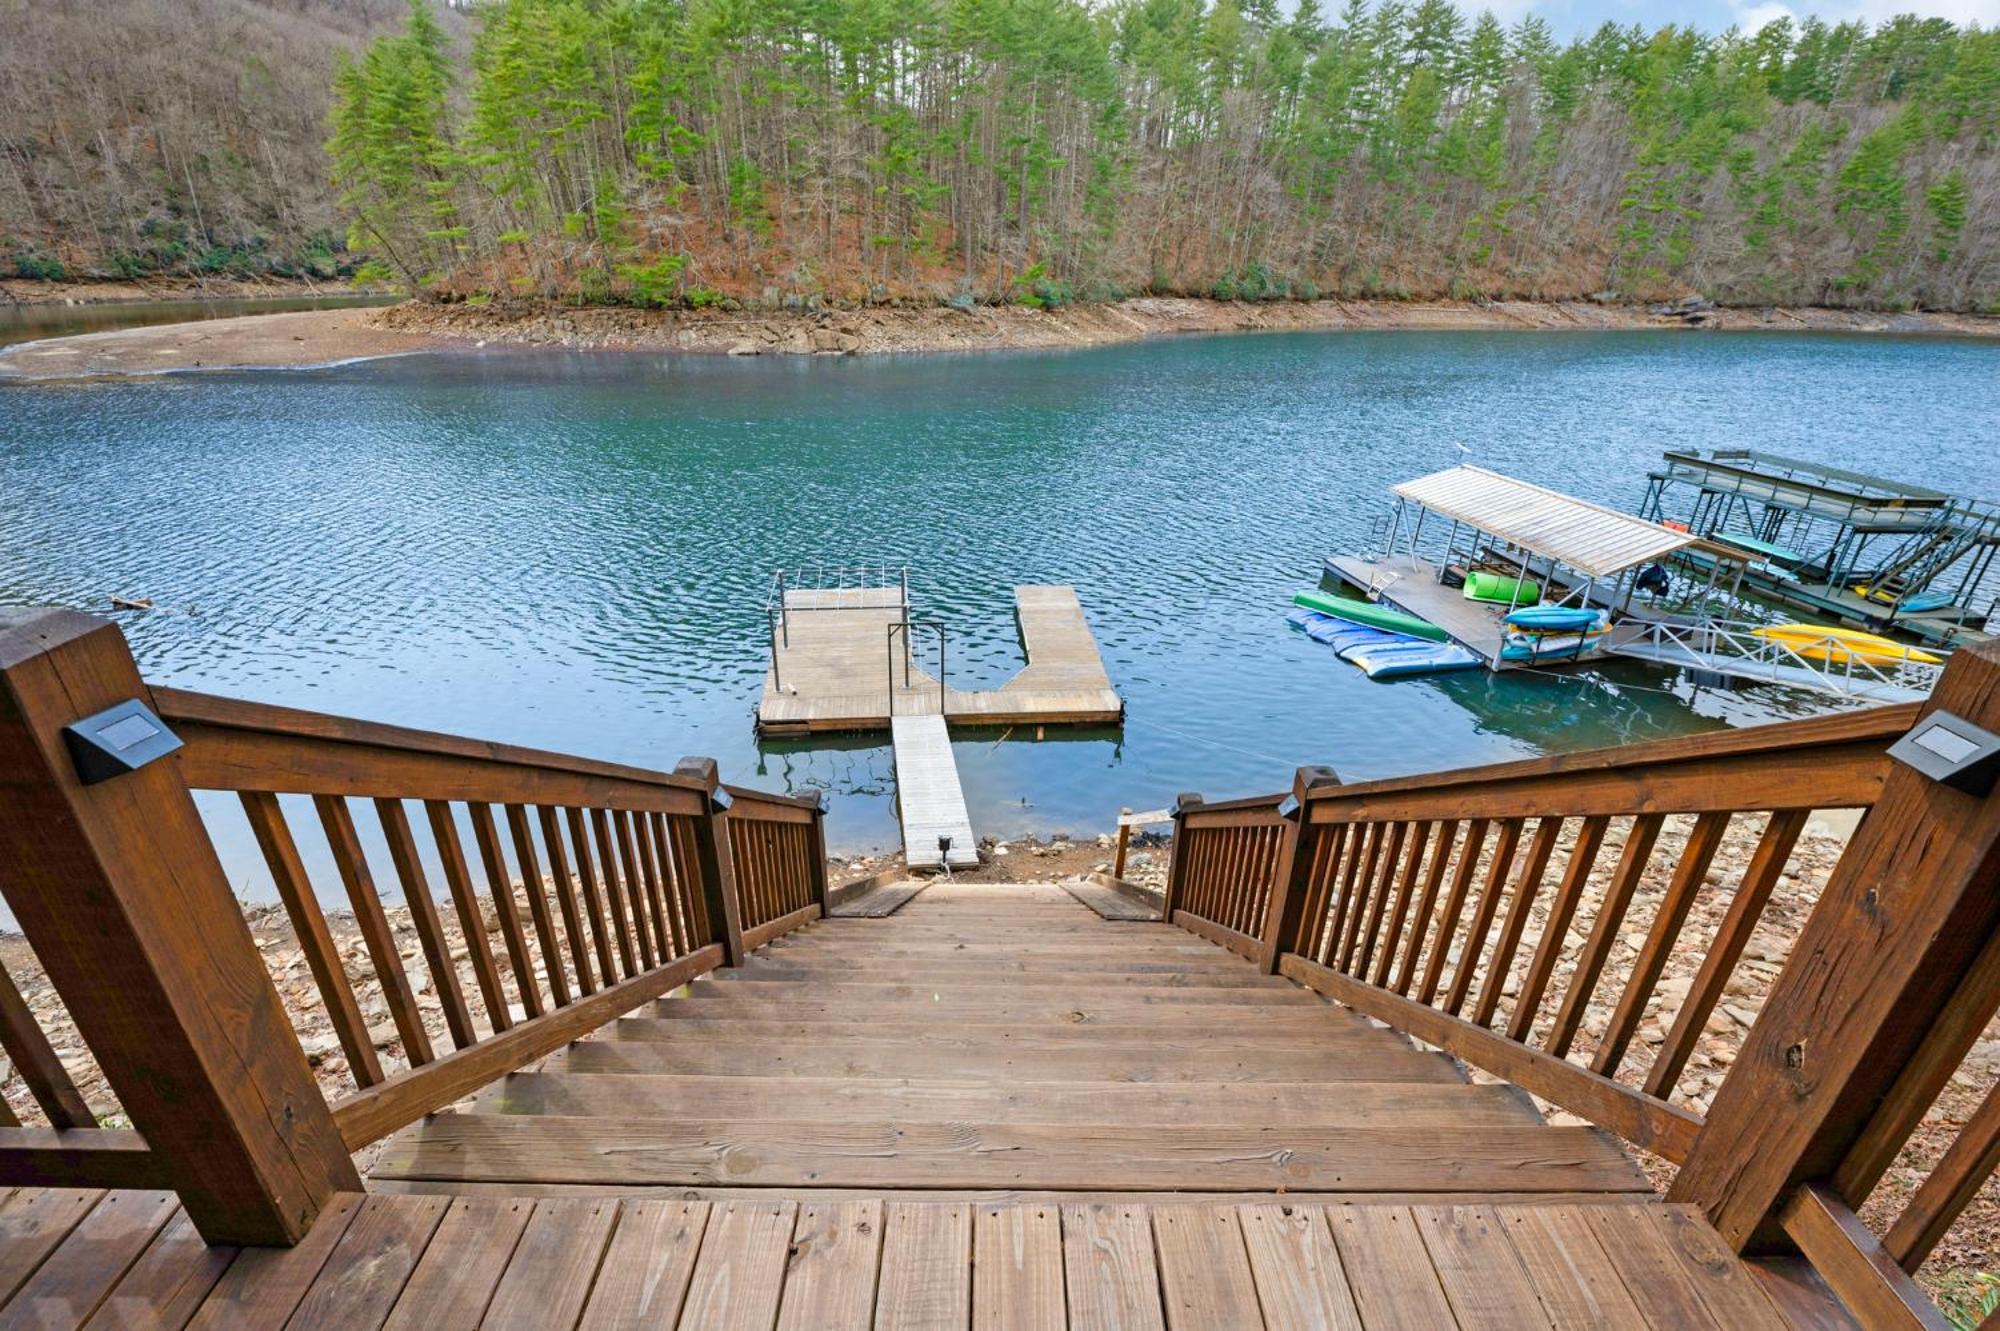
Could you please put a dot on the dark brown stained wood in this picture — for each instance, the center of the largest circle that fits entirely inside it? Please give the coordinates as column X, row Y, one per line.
column 372, row 1114
column 1327, row 844
column 1718, row 962
column 1388, row 1269
column 673, row 884
column 1340, row 887
column 652, row 947
column 1719, row 1276
column 348, row 741
column 33, row 1221
column 881, row 902
column 79, row 1158
column 1109, row 1273
column 118, row 890
column 639, row 831
column 1898, row 931
column 380, row 939
column 1205, row 1278
column 500, row 891
column 644, row 1277
column 1849, row 1257
column 1664, row 1129
column 1454, row 909
column 1527, row 887
column 1074, row 1156
column 1175, row 1104
column 1579, row 1288
column 761, row 934
column 926, row 1277
column 1405, row 895
column 1333, row 1033
column 1378, row 900
column 454, row 1280
column 35, row 1059
column 1362, row 886
column 423, row 914
column 471, row 917
column 774, row 964
column 572, row 912
column 262, row 1286
column 1799, row 1295
column 1082, row 993
column 1582, row 856
column 887, row 1058
column 288, row 873
column 1696, row 856
column 630, row 924
column 365, row 1273
column 1243, row 945
column 523, row 838
column 1638, row 1250
column 1952, row 1183
column 600, row 893
column 1477, row 1266
column 68, row 1287
column 741, row 1270
column 1017, row 1269
column 1420, row 919
column 1483, row 916
column 1590, row 963
column 1300, row 1285
column 553, row 1265
column 167, row 1284
column 830, row 1273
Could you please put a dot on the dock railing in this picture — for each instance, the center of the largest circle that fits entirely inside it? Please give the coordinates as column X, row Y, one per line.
column 623, row 884
column 1523, row 916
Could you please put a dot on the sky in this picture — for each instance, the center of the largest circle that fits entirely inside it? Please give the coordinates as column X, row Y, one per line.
column 1574, row 17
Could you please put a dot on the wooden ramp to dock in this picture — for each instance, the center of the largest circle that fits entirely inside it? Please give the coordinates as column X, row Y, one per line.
column 990, row 1110
column 835, row 662
column 929, row 797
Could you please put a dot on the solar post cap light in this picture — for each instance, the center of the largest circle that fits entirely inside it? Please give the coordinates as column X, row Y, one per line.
column 117, row 740
column 1952, row 750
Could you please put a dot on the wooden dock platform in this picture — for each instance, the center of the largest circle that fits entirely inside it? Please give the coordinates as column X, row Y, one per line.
column 833, row 665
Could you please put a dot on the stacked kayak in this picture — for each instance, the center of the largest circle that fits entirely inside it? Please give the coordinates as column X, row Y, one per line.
column 1839, row 646
column 1554, row 632
column 1378, row 652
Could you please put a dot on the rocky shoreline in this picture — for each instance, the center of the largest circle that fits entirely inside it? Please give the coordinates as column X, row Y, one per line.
column 319, row 338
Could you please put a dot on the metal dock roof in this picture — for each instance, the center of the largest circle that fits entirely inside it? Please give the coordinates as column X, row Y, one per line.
column 1596, row 541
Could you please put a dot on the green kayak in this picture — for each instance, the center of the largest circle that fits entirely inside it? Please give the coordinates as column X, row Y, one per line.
column 1369, row 613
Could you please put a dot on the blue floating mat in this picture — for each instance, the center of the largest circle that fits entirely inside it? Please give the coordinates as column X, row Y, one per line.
column 1411, row 657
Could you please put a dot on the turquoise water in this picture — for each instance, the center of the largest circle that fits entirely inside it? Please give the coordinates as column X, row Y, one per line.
column 573, row 551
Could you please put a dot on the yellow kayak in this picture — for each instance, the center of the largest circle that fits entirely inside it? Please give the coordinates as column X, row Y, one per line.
column 1838, row 646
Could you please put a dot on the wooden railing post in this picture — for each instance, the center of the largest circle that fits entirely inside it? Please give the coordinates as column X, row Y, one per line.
column 816, row 847
column 718, row 871
column 1177, row 855
column 1844, row 1059
column 118, row 888
column 1288, row 881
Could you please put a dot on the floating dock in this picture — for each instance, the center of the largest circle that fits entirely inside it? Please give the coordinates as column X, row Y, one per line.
column 842, row 660
column 937, row 831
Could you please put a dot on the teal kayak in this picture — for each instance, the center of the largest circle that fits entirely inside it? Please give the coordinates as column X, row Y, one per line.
column 1556, row 619
column 1367, row 612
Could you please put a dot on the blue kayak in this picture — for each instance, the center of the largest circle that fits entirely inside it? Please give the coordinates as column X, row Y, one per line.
column 1557, row 619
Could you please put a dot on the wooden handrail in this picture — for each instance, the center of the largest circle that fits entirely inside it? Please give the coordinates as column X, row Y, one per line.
column 608, row 885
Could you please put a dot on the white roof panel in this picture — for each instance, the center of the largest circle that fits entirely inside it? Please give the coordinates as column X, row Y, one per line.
column 1590, row 538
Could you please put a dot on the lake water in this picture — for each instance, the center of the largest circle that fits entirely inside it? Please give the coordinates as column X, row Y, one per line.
column 573, row 551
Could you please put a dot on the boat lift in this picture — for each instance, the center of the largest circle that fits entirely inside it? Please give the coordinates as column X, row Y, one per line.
column 1827, row 665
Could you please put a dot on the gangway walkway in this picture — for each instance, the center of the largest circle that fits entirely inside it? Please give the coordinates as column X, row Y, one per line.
column 928, row 793
column 1728, row 648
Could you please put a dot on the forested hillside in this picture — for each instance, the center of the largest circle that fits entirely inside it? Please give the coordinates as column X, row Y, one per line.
column 785, row 151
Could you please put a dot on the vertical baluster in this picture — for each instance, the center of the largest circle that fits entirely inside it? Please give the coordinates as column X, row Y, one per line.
column 1604, row 932
column 375, row 932
column 579, row 943
column 1589, row 838
column 1420, row 925
column 1695, row 859
column 1405, row 893
column 500, row 891
column 1327, row 842
column 1760, row 878
column 538, row 902
column 281, row 852
column 1363, row 884
column 649, row 874
column 635, row 885
column 1526, row 888
column 1385, row 882
column 1454, row 909
column 670, row 884
column 1358, row 837
column 471, row 919
column 615, row 892
column 687, row 863
column 1483, row 915
column 610, row 931
column 423, row 913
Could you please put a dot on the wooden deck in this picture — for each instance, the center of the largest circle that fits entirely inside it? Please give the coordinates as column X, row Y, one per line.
column 834, row 673
column 991, row 1109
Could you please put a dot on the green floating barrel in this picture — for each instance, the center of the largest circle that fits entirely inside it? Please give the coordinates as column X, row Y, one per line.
column 1501, row 588
column 1367, row 612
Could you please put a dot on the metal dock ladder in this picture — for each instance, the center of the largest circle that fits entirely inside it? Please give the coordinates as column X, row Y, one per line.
column 927, row 790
